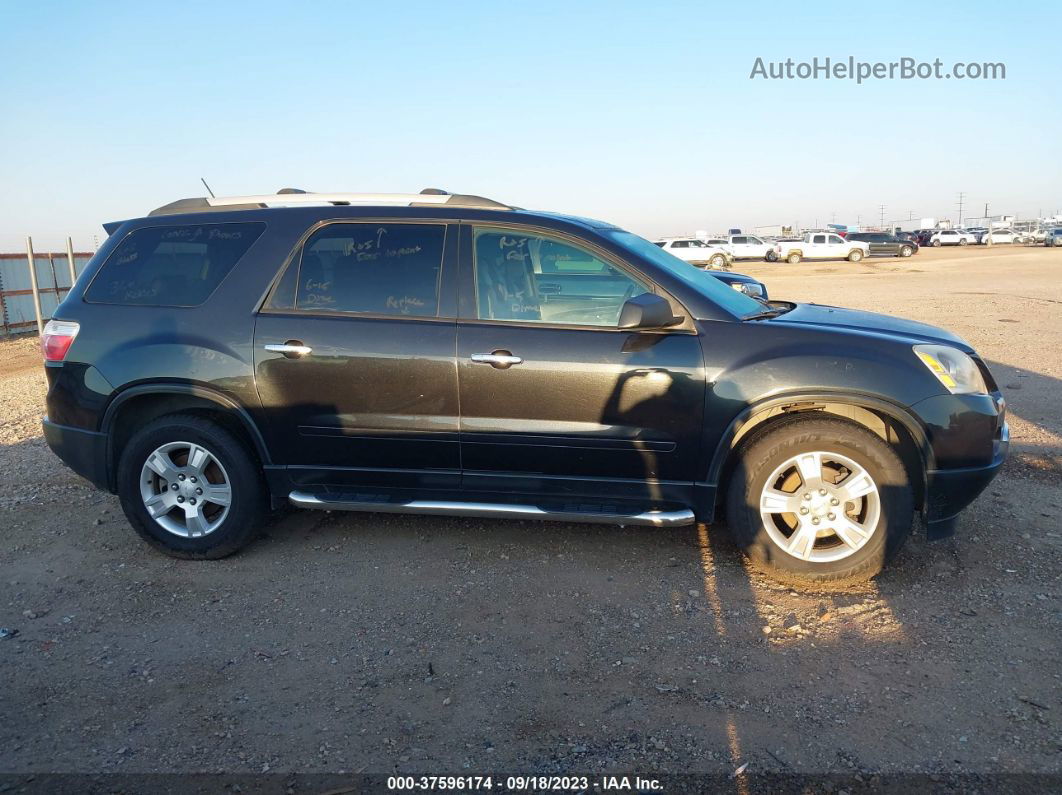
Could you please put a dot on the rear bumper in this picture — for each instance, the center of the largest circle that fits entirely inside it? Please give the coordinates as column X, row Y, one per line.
column 83, row 451
column 949, row 491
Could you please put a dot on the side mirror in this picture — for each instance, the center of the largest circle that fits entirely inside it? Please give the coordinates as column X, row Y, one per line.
column 646, row 311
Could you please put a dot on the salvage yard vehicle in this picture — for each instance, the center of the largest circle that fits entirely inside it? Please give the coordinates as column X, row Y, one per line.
column 439, row 353
column 882, row 243
column 696, row 252
column 752, row 247
column 823, row 245
column 1003, row 236
column 951, row 237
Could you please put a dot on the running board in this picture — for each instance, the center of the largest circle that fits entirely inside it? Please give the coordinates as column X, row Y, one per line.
column 491, row 510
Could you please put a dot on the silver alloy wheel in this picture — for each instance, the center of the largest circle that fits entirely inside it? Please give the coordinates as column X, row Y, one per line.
column 185, row 489
column 820, row 507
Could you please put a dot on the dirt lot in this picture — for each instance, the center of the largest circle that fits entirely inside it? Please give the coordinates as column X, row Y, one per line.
column 374, row 643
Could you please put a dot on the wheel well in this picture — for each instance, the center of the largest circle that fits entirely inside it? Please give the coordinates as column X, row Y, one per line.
column 136, row 412
column 890, row 430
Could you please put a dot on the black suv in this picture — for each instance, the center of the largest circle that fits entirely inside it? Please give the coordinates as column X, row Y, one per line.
column 882, row 243
column 448, row 354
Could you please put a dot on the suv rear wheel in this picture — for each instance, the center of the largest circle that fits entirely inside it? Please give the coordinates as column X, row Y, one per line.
column 906, row 251
column 190, row 488
column 819, row 500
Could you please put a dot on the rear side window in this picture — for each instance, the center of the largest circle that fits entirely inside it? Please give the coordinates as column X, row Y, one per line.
column 372, row 268
column 171, row 265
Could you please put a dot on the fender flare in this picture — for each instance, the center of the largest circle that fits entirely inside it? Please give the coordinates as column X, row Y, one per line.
column 193, row 390
column 894, row 411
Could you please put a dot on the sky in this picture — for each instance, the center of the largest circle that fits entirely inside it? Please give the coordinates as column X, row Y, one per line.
column 640, row 113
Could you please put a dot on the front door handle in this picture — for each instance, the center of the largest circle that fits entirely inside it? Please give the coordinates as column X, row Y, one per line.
column 293, row 349
column 502, row 360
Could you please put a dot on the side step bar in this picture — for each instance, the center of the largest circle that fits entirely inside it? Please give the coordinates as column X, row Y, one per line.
column 490, row 510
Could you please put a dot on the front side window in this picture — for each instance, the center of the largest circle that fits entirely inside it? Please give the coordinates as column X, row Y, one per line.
column 171, row 265
column 530, row 277
column 835, row 239
column 680, row 244
column 372, row 268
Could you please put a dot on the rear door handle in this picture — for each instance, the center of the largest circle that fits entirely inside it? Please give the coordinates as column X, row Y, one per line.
column 502, row 360
column 293, row 349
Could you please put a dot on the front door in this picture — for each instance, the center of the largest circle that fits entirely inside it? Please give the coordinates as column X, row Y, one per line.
column 354, row 358
column 555, row 399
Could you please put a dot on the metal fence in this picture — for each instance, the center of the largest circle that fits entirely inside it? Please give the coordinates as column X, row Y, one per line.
column 29, row 295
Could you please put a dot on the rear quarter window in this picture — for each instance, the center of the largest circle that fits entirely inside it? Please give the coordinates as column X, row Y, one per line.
column 179, row 265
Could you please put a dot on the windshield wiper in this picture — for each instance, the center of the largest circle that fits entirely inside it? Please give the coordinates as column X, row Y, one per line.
column 766, row 313
column 772, row 311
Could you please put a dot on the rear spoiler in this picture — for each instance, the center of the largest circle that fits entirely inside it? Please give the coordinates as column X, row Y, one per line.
column 112, row 226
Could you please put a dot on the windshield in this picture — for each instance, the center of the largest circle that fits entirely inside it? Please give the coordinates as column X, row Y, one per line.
column 703, row 282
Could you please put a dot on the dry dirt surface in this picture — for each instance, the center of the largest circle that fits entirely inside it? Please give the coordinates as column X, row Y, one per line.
column 381, row 644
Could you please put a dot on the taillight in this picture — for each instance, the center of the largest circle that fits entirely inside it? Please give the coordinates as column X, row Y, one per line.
column 57, row 338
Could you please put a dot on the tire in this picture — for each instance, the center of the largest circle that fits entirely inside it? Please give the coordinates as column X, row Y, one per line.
column 963, row 241
column 772, row 256
column 169, row 442
column 717, row 261
column 935, row 244
column 887, row 511
column 793, row 258
column 855, row 255
column 906, row 251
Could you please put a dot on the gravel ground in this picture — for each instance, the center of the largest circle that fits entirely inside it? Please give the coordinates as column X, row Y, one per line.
column 348, row 642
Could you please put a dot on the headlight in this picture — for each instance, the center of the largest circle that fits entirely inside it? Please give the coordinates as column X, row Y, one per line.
column 748, row 289
column 953, row 368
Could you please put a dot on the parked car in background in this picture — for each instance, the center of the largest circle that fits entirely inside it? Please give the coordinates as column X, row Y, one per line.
column 696, row 252
column 1037, row 235
column 951, row 237
column 978, row 233
column 1053, row 237
column 823, row 245
column 448, row 354
column 1003, row 236
column 752, row 247
column 884, row 244
column 923, row 236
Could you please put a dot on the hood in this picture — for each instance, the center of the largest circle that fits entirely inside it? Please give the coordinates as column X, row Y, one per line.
column 834, row 317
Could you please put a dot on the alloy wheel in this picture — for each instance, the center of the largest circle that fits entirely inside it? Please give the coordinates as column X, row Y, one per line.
column 820, row 506
column 185, row 489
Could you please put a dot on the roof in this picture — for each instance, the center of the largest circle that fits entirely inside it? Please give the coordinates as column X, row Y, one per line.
column 288, row 197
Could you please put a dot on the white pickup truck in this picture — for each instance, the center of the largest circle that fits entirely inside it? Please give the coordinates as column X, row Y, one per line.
column 822, row 245
column 747, row 247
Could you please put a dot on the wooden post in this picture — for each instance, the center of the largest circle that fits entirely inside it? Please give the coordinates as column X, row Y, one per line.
column 70, row 261
column 33, row 284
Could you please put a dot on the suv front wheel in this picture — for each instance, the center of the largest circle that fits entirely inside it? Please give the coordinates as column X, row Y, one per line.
column 819, row 500
column 190, row 488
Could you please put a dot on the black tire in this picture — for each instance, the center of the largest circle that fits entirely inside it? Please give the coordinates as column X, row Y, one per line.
column 906, row 251
column 935, row 244
column 718, row 261
column 249, row 495
column 772, row 256
column 793, row 258
column 963, row 241
column 767, row 450
column 855, row 255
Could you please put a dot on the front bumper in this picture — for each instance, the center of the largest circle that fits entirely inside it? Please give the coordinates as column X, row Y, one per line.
column 949, row 491
column 83, row 451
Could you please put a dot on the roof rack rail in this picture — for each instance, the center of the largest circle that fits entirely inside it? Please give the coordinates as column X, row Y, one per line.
column 287, row 197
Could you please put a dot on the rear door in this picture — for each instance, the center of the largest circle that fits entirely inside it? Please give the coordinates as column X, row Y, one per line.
column 354, row 357
column 555, row 399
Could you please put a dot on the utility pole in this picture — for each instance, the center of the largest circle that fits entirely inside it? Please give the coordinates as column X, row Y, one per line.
column 881, row 221
column 910, row 215
column 962, row 196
